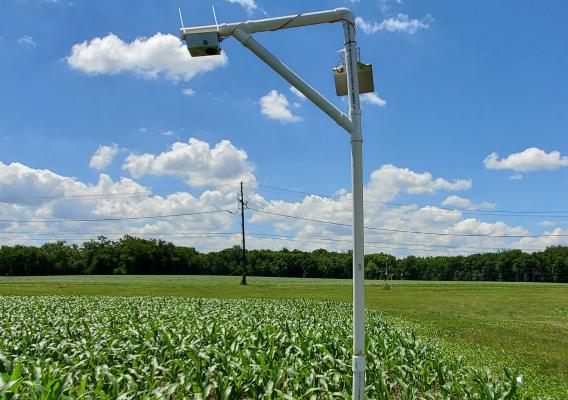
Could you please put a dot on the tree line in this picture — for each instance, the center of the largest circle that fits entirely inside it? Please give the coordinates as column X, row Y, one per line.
column 132, row 255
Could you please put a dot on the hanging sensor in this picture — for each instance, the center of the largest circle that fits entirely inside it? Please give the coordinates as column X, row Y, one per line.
column 365, row 76
column 203, row 44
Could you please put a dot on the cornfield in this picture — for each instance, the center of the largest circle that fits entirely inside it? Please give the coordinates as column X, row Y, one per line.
column 178, row 348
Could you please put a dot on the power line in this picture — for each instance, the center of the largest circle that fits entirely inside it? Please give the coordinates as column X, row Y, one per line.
column 308, row 239
column 120, row 233
column 116, row 218
column 387, row 246
column 463, row 234
column 465, row 211
column 86, row 239
column 299, row 218
column 104, row 219
column 270, row 238
column 422, row 249
column 452, row 246
column 300, row 237
column 389, row 243
column 204, row 235
column 297, row 239
column 13, row 199
column 407, row 231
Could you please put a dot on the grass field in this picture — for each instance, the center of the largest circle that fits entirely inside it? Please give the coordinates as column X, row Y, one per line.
column 496, row 324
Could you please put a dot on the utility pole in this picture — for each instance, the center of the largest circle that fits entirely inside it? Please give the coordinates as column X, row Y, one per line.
column 244, row 256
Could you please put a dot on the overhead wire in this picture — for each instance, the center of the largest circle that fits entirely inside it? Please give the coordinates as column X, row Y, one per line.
column 120, row 233
column 403, row 230
column 115, row 218
column 539, row 213
column 195, row 235
column 14, row 199
column 394, row 204
column 393, row 246
column 70, row 239
column 371, row 242
column 322, row 242
column 204, row 235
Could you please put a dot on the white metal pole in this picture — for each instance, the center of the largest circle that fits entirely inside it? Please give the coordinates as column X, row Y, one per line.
column 275, row 23
column 352, row 124
column 352, row 69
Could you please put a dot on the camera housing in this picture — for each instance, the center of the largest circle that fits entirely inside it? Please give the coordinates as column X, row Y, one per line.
column 365, row 75
column 203, row 44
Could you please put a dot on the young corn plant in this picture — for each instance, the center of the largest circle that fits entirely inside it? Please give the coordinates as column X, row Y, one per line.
column 173, row 348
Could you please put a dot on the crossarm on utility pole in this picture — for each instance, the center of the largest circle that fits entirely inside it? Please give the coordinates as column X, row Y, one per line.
column 285, row 72
column 272, row 24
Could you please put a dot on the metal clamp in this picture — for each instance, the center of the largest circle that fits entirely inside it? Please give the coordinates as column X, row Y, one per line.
column 359, row 363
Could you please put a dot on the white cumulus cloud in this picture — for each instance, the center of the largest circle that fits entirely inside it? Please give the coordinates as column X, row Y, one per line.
column 467, row 204
column 188, row 91
column 103, row 156
column 27, row 40
column 198, row 163
column 20, row 180
column 29, row 193
column 531, row 159
column 159, row 55
column 555, row 237
column 374, row 99
column 249, row 5
column 276, row 106
column 40, row 194
column 402, row 220
column 389, row 180
column 400, row 23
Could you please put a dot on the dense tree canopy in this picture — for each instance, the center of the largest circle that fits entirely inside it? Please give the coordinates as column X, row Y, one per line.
column 131, row 255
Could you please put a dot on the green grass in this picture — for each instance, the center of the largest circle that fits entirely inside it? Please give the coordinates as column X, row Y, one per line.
column 495, row 324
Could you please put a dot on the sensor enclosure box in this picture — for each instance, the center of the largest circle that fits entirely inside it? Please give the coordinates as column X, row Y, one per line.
column 365, row 75
column 203, row 44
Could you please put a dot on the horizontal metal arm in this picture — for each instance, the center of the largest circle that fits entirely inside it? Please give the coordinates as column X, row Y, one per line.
column 284, row 71
column 271, row 24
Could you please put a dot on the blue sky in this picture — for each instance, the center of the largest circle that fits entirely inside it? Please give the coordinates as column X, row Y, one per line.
column 100, row 100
